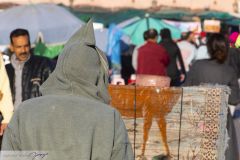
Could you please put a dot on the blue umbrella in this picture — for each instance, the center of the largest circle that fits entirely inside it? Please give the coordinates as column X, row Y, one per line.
column 55, row 23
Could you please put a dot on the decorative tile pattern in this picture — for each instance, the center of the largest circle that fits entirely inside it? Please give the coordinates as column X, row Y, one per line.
column 180, row 123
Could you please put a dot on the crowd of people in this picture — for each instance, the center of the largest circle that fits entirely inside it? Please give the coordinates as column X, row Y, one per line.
column 180, row 54
column 73, row 91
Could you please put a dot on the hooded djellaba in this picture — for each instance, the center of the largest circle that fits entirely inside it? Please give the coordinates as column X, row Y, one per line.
column 72, row 120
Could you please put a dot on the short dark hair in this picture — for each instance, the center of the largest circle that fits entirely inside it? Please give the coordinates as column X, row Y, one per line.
column 145, row 35
column 19, row 32
column 152, row 33
column 165, row 33
column 217, row 46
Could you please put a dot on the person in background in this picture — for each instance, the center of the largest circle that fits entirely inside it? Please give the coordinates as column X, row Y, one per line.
column 234, row 61
column 177, row 76
column 126, row 61
column 202, row 52
column 187, row 48
column 135, row 51
column 232, row 39
column 152, row 57
column 234, row 52
column 6, row 105
column 72, row 120
column 216, row 71
column 26, row 72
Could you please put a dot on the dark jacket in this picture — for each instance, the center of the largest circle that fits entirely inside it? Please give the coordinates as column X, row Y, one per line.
column 234, row 60
column 174, row 55
column 209, row 71
column 35, row 71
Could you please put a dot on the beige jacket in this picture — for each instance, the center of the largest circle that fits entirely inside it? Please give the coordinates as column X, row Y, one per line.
column 6, row 104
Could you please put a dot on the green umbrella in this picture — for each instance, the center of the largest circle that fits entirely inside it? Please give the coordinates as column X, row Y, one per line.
column 215, row 15
column 136, row 29
column 233, row 22
column 108, row 17
column 50, row 51
column 173, row 14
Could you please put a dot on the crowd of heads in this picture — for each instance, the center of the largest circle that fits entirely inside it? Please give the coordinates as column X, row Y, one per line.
column 217, row 44
column 153, row 34
column 165, row 33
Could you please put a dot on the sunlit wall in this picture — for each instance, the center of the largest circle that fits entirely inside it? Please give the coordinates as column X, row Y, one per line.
column 221, row 5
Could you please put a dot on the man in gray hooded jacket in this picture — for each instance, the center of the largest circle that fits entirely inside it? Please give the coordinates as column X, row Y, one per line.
column 72, row 120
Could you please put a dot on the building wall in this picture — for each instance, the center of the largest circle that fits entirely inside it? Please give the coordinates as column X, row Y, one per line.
column 221, row 5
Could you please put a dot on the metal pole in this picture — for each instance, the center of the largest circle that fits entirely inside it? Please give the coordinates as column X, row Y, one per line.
column 147, row 20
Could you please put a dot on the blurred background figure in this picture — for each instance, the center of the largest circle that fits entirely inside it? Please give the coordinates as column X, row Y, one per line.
column 152, row 58
column 232, row 39
column 135, row 51
column 177, row 76
column 187, row 48
column 234, row 52
column 126, row 61
column 202, row 52
column 6, row 105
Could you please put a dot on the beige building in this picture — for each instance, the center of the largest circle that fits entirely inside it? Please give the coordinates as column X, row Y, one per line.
column 220, row 5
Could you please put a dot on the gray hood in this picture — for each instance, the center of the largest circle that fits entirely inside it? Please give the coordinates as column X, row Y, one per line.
column 81, row 69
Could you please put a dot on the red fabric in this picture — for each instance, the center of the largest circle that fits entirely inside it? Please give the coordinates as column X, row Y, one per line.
column 152, row 59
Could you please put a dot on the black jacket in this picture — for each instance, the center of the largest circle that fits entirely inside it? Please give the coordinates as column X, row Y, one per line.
column 35, row 71
column 209, row 71
column 174, row 54
column 234, row 60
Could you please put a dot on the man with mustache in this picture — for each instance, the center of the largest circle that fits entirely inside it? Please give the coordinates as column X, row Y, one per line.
column 26, row 71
